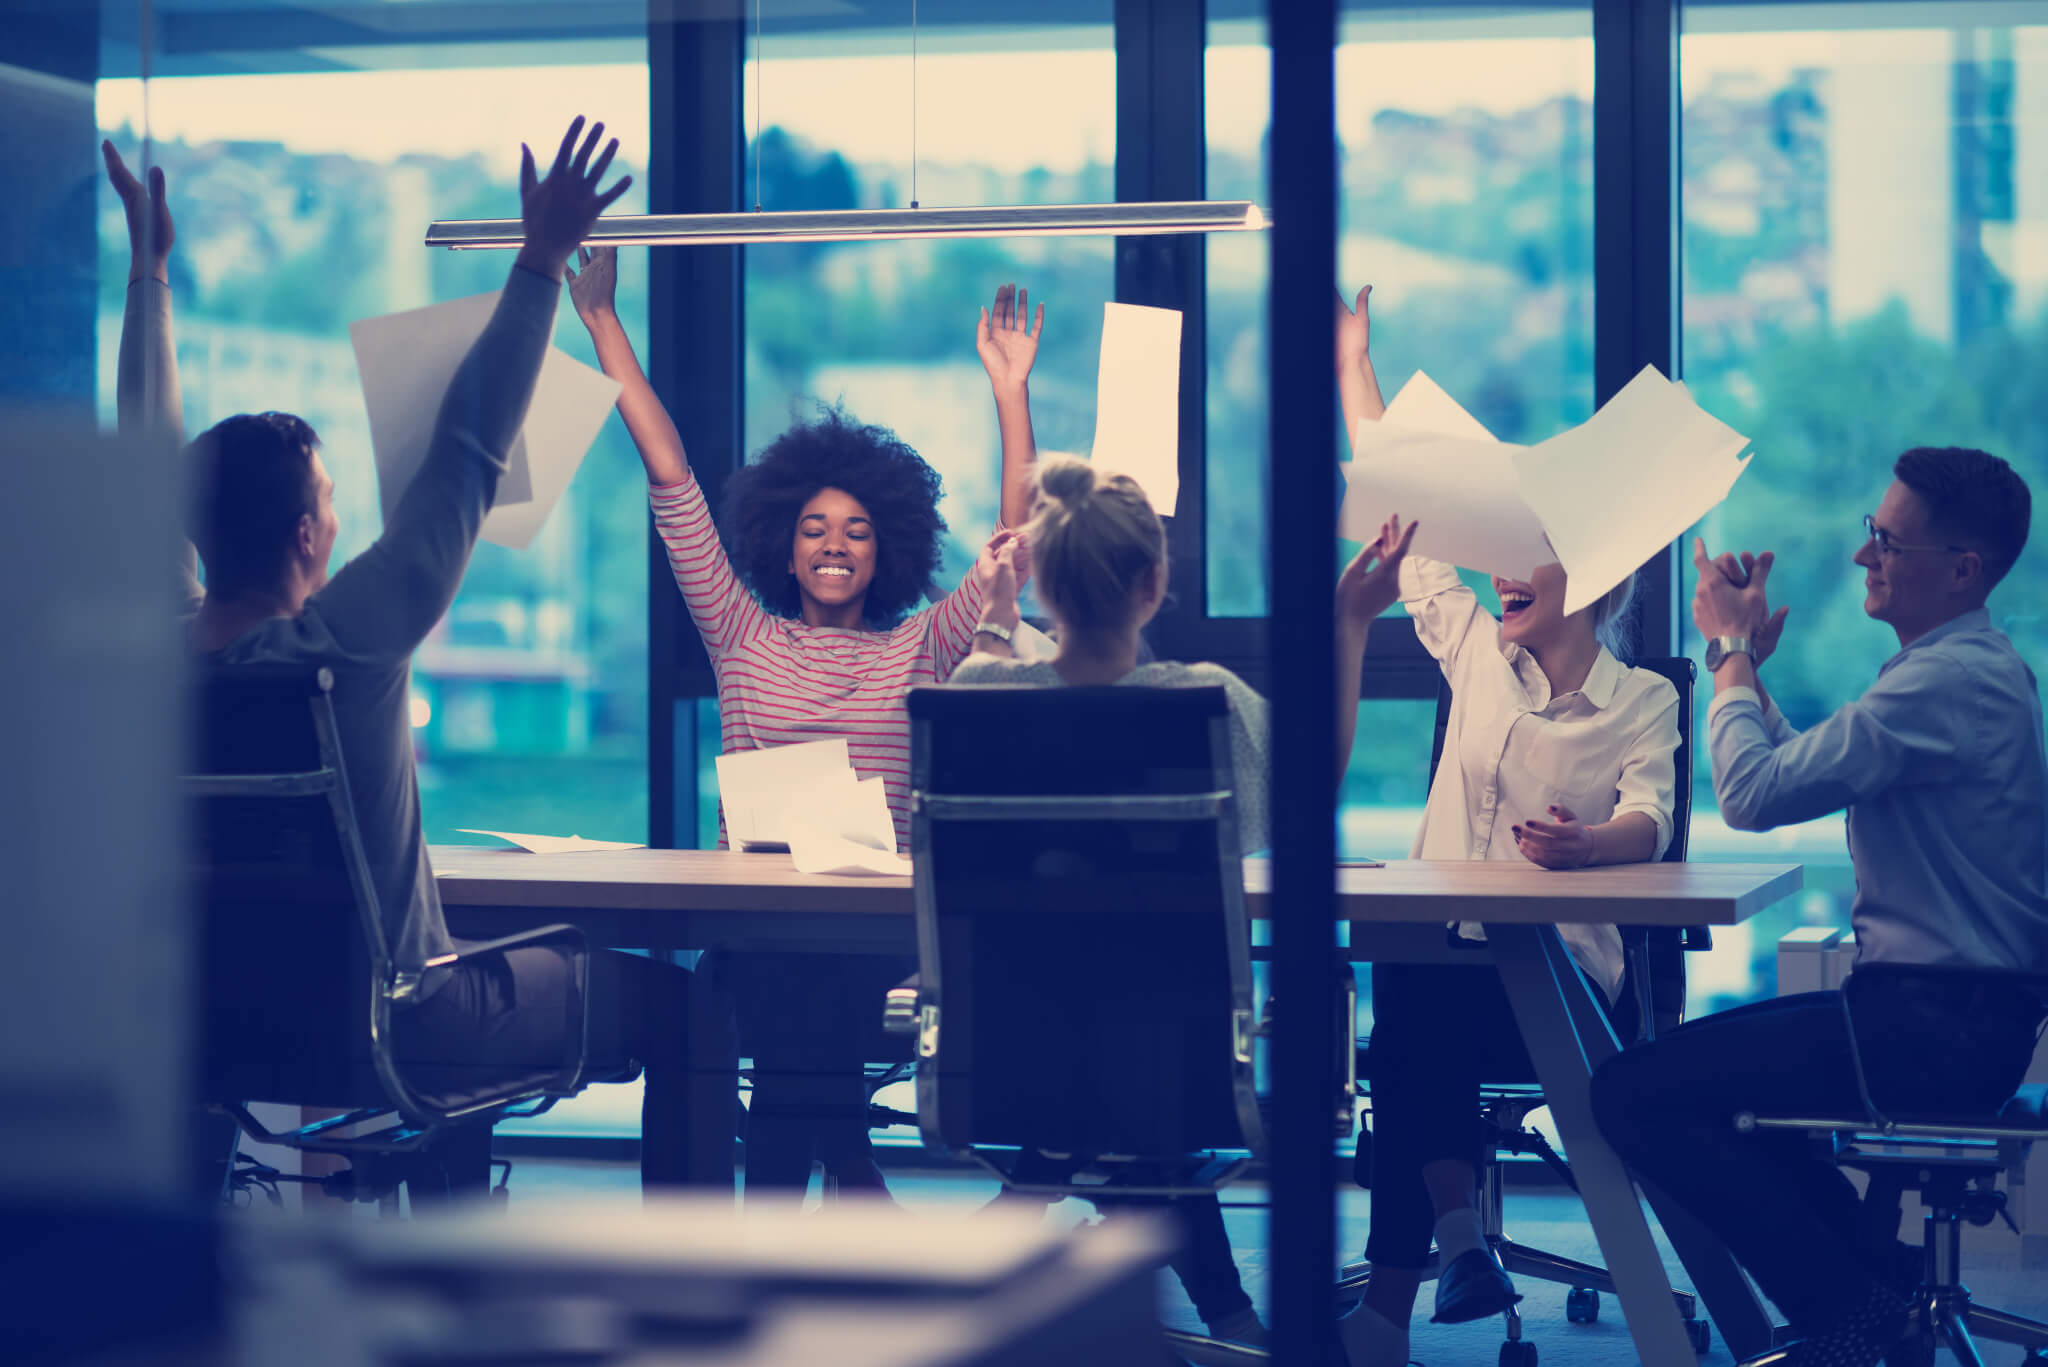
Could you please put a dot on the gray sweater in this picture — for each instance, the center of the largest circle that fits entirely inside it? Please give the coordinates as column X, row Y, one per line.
column 367, row 620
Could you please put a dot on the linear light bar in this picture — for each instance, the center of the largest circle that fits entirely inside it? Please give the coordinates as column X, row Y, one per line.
column 871, row 225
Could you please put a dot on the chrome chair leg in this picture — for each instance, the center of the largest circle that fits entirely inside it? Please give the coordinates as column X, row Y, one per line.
column 2003, row 1326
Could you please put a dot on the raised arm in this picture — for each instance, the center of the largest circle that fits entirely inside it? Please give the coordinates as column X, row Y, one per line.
column 385, row 601
column 1367, row 588
column 1007, row 342
column 147, row 398
column 1357, row 386
column 593, row 289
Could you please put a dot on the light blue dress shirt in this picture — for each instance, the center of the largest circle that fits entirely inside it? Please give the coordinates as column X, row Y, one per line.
column 1940, row 765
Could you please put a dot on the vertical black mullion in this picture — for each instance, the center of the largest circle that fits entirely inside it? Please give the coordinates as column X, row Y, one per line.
column 693, row 354
column 1161, row 154
column 1635, row 233
column 1303, row 399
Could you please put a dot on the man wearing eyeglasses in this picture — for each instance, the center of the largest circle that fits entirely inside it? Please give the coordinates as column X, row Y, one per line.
column 1940, row 766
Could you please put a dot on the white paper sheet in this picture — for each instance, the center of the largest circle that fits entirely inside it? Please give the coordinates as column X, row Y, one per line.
column 759, row 788
column 1619, row 487
column 816, row 850
column 1028, row 643
column 1464, row 491
column 1423, row 403
column 555, row 844
column 406, row 361
column 1137, row 400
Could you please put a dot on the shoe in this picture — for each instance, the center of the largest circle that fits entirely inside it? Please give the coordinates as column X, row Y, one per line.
column 1862, row 1338
column 1474, row 1287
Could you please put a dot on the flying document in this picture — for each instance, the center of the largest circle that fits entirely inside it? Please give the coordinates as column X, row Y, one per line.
column 1599, row 498
column 1626, row 482
column 1137, row 401
column 407, row 360
column 1437, row 465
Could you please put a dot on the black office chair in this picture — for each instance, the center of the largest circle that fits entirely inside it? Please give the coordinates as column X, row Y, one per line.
column 1653, row 999
column 1084, row 993
column 299, row 993
column 1953, row 1160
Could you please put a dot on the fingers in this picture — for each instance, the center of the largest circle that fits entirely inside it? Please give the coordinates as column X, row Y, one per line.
column 1023, row 307
column 1776, row 623
column 583, row 256
column 1563, row 814
column 1762, row 573
column 1364, row 299
column 610, row 197
column 1401, row 548
column 527, row 180
column 981, row 332
column 1038, row 326
column 117, row 170
column 604, row 160
column 1004, row 310
column 1544, row 830
column 568, row 146
column 583, row 153
column 1699, row 555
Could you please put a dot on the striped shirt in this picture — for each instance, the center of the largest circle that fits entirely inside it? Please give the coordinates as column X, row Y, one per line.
column 781, row 682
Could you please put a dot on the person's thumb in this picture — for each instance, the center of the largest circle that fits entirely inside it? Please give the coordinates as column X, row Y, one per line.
column 1761, row 574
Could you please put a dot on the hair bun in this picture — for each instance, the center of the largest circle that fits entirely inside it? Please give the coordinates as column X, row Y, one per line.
column 1065, row 479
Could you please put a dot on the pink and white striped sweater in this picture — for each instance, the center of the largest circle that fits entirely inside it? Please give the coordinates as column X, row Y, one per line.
column 781, row 682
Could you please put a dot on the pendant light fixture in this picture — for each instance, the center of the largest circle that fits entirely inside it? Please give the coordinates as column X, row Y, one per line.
column 1137, row 219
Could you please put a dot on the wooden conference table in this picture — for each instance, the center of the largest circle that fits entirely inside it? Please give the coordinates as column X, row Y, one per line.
column 700, row 899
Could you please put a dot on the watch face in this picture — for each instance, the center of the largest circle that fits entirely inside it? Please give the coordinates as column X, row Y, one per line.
column 1713, row 655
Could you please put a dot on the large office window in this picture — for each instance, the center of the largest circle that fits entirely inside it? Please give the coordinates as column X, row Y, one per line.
column 1466, row 197
column 1866, row 267
column 301, row 197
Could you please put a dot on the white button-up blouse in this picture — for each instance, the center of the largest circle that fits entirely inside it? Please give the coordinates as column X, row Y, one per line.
column 1512, row 751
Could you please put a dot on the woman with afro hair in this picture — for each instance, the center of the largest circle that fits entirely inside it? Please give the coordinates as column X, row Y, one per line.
column 811, row 613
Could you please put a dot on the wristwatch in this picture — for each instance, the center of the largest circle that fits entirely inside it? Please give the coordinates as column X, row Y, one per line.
column 1721, row 647
column 1001, row 633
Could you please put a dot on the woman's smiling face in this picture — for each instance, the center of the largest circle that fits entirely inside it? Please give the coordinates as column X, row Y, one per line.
column 832, row 555
column 1532, row 609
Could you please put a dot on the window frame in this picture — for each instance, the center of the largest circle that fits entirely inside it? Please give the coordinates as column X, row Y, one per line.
column 697, row 320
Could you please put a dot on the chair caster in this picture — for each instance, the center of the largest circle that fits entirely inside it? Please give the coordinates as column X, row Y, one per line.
column 1701, row 1335
column 1582, row 1305
column 1518, row 1353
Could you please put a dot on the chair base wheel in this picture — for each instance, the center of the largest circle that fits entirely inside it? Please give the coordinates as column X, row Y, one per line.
column 1518, row 1353
column 1582, row 1305
column 1701, row 1335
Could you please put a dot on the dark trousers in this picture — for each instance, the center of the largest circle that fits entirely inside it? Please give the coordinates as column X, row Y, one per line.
column 811, row 1023
column 515, row 1013
column 1789, row 1216
column 1203, row 1259
column 1439, row 1031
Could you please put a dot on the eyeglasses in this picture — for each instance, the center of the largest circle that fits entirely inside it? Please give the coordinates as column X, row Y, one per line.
column 1887, row 546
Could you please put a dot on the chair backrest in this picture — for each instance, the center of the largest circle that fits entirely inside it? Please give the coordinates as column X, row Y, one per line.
column 293, row 957
column 1666, row 946
column 1084, row 961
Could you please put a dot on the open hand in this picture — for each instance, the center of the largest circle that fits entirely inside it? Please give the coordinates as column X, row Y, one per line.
column 594, row 283
column 150, row 231
column 1560, row 843
column 1723, row 607
column 1371, row 583
column 1354, row 330
column 559, row 209
column 1007, row 338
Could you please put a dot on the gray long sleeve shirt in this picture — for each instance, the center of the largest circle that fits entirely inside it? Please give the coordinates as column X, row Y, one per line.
column 368, row 619
column 1940, row 765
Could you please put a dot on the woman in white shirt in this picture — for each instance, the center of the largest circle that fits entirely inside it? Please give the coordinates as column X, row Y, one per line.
column 1558, row 754
column 1099, row 554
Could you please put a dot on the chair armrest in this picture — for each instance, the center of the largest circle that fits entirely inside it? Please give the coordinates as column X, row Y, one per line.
column 567, row 936
column 900, row 1007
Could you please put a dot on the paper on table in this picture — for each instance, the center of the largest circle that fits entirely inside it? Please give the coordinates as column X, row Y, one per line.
column 1619, row 487
column 844, row 826
column 1462, row 490
column 406, row 361
column 555, row 844
column 1137, row 400
column 759, row 788
column 815, row 850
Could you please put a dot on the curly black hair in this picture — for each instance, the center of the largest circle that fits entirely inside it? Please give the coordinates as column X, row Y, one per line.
column 834, row 451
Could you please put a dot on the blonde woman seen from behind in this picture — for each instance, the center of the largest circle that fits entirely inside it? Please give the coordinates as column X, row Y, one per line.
column 1098, row 553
